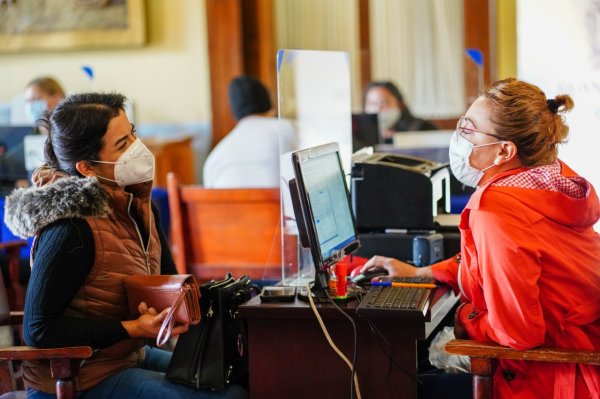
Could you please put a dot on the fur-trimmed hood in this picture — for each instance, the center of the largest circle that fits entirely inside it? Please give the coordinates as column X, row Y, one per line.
column 28, row 210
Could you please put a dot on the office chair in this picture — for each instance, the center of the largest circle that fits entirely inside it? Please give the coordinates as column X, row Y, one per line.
column 64, row 362
column 484, row 360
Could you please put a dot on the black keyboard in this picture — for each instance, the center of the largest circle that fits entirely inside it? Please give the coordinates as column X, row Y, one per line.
column 387, row 301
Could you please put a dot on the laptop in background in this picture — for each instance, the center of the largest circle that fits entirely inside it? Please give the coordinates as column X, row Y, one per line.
column 428, row 144
column 365, row 131
column 12, row 153
column 34, row 151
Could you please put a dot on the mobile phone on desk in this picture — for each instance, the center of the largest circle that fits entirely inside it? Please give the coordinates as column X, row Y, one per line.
column 278, row 294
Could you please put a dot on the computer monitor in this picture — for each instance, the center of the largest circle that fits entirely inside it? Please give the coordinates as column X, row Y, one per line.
column 12, row 153
column 322, row 208
column 365, row 131
column 34, row 146
column 428, row 144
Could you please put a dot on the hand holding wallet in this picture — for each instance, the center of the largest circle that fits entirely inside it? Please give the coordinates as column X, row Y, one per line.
column 179, row 292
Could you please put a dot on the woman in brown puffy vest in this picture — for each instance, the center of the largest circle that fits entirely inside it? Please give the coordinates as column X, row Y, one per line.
column 91, row 214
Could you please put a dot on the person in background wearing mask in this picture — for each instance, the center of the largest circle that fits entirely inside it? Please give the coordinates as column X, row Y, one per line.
column 91, row 214
column 41, row 94
column 529, row 267
column 384, row 99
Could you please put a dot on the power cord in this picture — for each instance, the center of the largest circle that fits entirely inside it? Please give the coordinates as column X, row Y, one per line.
column 354, row 353
column 333, row 345
column 389, row 353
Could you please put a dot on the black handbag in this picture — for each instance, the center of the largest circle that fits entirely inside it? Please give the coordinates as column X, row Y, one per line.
column 213, row 353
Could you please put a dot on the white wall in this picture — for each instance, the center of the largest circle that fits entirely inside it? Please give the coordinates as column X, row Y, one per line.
column 167, row 79
column 558, row 49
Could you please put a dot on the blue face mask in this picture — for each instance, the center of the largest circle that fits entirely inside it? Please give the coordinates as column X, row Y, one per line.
column 35, row 109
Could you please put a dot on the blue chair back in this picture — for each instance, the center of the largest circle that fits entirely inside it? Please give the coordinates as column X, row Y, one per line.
column 7, row 235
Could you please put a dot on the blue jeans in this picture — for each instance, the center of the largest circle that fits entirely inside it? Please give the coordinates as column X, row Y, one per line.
column 146, row 382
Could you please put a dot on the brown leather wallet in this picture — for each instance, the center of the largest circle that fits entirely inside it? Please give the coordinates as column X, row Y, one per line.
column 179, row 292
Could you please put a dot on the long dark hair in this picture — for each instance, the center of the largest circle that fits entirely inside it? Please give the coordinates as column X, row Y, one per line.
column 76, row 128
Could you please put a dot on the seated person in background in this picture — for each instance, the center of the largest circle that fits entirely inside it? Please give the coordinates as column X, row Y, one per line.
column 529, row 268
column 42, row 94
column 384, row 98
column 249, row 155
column 91, row 215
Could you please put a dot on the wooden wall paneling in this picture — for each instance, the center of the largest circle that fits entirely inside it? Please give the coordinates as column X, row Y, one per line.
column 259, row 43
column 493, row 41
column 479, row 33
column 364, row 43
column 224, row 25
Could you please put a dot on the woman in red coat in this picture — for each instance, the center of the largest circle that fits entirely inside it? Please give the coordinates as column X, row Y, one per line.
column 529, row 268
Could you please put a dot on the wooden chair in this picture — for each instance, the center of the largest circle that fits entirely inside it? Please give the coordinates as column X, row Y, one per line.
column 215, row 231
column 16, row 292
column 172, row 154
column 484, row 360
column 64, row 362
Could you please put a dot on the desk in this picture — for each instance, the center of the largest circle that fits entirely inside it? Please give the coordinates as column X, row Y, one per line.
column 290, row 358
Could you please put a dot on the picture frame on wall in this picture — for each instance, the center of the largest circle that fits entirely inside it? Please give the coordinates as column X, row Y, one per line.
column 32, row 25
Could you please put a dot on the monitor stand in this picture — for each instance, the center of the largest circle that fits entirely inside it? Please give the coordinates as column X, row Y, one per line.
column 321, row 297
column 319, row 290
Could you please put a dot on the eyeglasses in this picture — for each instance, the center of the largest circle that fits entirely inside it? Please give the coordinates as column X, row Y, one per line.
column 462, row 130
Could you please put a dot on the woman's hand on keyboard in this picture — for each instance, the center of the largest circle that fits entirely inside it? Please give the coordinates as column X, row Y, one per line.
column 396, row 267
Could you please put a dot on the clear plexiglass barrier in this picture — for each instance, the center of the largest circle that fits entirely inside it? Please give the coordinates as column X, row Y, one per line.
column 314, row 101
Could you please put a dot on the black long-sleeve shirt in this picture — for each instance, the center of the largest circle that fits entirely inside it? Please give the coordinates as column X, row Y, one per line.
column 63, row 257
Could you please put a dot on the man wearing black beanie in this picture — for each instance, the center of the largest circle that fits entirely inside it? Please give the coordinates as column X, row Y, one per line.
column 249, row 155
column 248, row 96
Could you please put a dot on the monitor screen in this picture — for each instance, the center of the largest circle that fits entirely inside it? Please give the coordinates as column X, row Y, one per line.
column 428, row 144
column 12, row 153
column 365, row 131
column 34, row 145
column 322, row 205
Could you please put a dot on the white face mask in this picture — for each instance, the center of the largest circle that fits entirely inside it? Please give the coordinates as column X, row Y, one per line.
column 387, row 118
column 135, row 165
column 460, row 152
column 34, row 110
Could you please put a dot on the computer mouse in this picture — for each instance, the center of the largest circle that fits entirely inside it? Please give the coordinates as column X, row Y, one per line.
column 365, row 277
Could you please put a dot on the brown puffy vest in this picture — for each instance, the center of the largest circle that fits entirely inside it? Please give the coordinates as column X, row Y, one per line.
column 118, row 253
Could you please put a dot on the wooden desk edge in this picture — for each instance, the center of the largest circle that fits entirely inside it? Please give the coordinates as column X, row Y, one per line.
column 442, row 301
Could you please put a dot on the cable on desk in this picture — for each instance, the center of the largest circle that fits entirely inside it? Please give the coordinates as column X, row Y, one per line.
column 331, row 343
column 390, row 353
column 354, row 353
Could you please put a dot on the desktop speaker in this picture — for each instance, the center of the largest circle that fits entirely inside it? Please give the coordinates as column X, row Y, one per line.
column 428, row 249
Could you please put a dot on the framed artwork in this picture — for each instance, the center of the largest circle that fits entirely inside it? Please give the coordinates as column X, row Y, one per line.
column 71, row 24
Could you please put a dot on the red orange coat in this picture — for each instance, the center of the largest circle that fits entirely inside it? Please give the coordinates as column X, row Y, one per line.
column 530, row 276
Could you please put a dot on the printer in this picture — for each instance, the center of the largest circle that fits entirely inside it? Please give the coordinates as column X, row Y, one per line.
column 396, row 199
